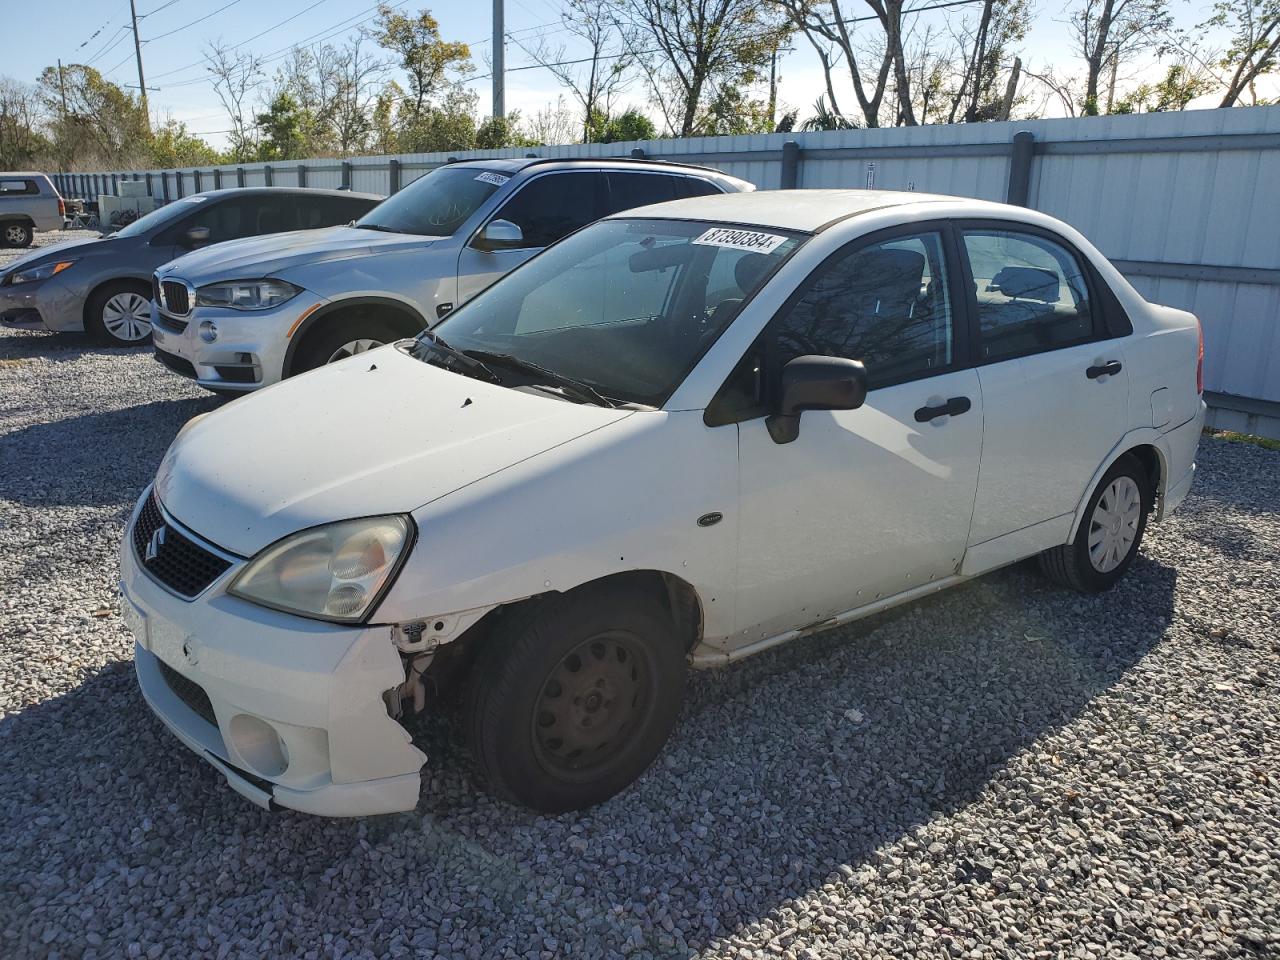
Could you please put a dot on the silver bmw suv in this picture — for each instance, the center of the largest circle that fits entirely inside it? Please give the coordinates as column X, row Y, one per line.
column 251, row 312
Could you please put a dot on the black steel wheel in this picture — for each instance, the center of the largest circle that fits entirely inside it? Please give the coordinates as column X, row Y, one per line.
column 571, row 699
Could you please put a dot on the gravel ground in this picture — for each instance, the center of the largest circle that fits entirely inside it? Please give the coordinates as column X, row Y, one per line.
column 1005, row 770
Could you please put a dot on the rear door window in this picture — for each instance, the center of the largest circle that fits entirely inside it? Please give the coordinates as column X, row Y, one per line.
column 10, row 188
column 1031, row 292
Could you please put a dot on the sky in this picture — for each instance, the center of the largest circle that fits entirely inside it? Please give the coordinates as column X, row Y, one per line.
column 175, row 31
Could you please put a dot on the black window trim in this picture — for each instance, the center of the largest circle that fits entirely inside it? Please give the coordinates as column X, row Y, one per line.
column 961, row 322
column 1110, row 321
column 602, row 188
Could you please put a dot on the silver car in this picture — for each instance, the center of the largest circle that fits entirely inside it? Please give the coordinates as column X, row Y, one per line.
column 103, row 285
column 252, row 312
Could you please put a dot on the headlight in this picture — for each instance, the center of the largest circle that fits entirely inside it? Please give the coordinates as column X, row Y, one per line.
column 334, row 572
column 246, row 294
column 42, row 272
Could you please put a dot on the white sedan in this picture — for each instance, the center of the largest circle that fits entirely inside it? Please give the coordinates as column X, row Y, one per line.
column 682, row 435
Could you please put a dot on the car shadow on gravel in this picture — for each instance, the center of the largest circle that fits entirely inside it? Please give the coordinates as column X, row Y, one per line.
column 94, row 459
column 792, row 768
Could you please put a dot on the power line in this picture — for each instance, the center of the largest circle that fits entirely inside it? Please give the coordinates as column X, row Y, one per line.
column 214, row 13
column 250, row 39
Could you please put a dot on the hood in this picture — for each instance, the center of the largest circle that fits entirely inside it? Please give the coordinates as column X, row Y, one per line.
column 377, row 433
column 55, row 252
column 252, row 257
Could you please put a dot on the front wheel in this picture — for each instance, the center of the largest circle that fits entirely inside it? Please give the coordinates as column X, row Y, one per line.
column 18, row 234
column 568, row 706
column 343, row 338
column 119, row 314
column 1110, row 533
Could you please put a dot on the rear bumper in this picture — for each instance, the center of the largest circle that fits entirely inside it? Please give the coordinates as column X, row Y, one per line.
column 290, row 711
column 1181, row 444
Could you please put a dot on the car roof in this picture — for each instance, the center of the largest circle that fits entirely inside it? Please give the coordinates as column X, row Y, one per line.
column 23, row 173
column 514, row 165
column 808, row 211
column 317, row 191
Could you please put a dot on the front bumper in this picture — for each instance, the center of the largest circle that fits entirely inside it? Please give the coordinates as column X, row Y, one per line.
column 42, row 305
column 250, row 349
column 289, row 710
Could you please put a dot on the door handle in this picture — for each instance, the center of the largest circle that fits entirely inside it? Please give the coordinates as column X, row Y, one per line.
column 952, row 408
column 1108, row 369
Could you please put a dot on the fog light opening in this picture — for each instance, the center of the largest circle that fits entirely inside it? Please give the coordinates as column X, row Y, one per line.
column 258, row 744
column 208, row 331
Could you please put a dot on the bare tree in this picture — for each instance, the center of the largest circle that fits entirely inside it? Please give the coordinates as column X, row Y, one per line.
column 700, row 50
column 21, row 119
column 359, row 81
column 1108, row 33
column 236, row 78
column 833, row 36
column 554, row 123
column 984, row 45
column 607, row 67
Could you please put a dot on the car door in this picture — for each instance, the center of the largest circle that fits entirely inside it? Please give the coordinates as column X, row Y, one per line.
column 546, row 208
column 865, row 503
column 1053, row 380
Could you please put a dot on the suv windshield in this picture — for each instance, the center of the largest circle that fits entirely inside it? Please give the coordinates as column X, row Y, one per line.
column 435, row 205
column 623, row 307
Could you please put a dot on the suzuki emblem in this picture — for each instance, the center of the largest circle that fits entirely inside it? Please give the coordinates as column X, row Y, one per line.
column 154, row 545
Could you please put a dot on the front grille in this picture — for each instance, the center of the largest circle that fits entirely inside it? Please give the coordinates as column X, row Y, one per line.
column 168, row 324
column 176, row 364
column 173, row 297
column 189, row 692
column 174, row 560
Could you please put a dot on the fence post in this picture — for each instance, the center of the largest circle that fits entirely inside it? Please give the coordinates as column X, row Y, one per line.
column 148, row 179
column 1020, row 155
column 394, row 175
column 790, row 178
column 164, row 185
column 266, row 175
column 346, row 174
column 302, row 174
column 177, row 179
column 195, row 179
column 115, row 184
column 637, row 153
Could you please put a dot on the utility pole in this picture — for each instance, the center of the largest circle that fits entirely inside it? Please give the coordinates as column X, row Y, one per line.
column 137, row 49
column 499, row 61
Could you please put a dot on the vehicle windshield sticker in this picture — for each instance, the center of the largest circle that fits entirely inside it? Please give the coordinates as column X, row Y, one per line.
column 496, row 179
column 741, row 240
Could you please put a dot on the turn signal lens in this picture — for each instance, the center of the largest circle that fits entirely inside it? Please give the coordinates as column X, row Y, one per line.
column 1200, row 358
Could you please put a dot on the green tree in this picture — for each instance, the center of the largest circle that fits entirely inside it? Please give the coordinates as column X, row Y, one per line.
column 495, row 133
column 630, row 125
column 423, row 55
column 1255, row 43
column 282, row 127
column 102, row 125
column 21, row 136
column 172, row 145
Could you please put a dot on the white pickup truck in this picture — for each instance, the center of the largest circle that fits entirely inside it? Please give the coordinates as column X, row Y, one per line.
column 28, row 202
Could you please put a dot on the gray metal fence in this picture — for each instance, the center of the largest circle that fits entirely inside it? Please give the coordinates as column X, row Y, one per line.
column 1187, row 205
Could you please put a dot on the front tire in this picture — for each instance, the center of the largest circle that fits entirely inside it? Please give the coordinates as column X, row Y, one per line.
column 1110, row 533
column 119, row 314
column 569, row 704
column 342, row 338
column 18, row 235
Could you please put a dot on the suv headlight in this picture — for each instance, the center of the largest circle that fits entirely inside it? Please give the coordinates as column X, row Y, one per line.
column 337, row 571
column 42, row 272
column 246, row 294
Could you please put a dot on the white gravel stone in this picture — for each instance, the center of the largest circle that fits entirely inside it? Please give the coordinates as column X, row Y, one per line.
column 1030, row 773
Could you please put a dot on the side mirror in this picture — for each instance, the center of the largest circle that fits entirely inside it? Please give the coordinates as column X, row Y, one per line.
column 196, row 236
column 500, row 235
column 815, row 383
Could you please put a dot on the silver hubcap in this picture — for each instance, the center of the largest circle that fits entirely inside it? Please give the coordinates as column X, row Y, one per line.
column 1114, row 525
column 15, row 234
column 127, row 316
column 351, row 348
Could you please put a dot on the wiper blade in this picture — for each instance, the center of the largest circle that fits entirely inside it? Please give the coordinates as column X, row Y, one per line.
column 583, row 392
column 434, row 341
column 375, row 226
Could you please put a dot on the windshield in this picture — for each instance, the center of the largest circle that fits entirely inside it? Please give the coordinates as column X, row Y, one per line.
column 624, row 307
column 161, row 216
column 435, row 205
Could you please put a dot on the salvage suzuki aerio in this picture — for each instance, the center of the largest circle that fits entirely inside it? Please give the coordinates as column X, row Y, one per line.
column 680, row 436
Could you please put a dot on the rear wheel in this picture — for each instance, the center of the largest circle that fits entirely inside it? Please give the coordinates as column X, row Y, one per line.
column 340, row 339
column 568, row 706
column 1110, row 533
column 119, row 314
column 18, row 234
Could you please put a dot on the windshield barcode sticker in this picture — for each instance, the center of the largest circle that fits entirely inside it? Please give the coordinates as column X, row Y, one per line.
column 496, row 179
column 741, row 240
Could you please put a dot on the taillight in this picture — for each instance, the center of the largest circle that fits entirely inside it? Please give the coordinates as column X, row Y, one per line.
column 62, row 207
column 1200, row 358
